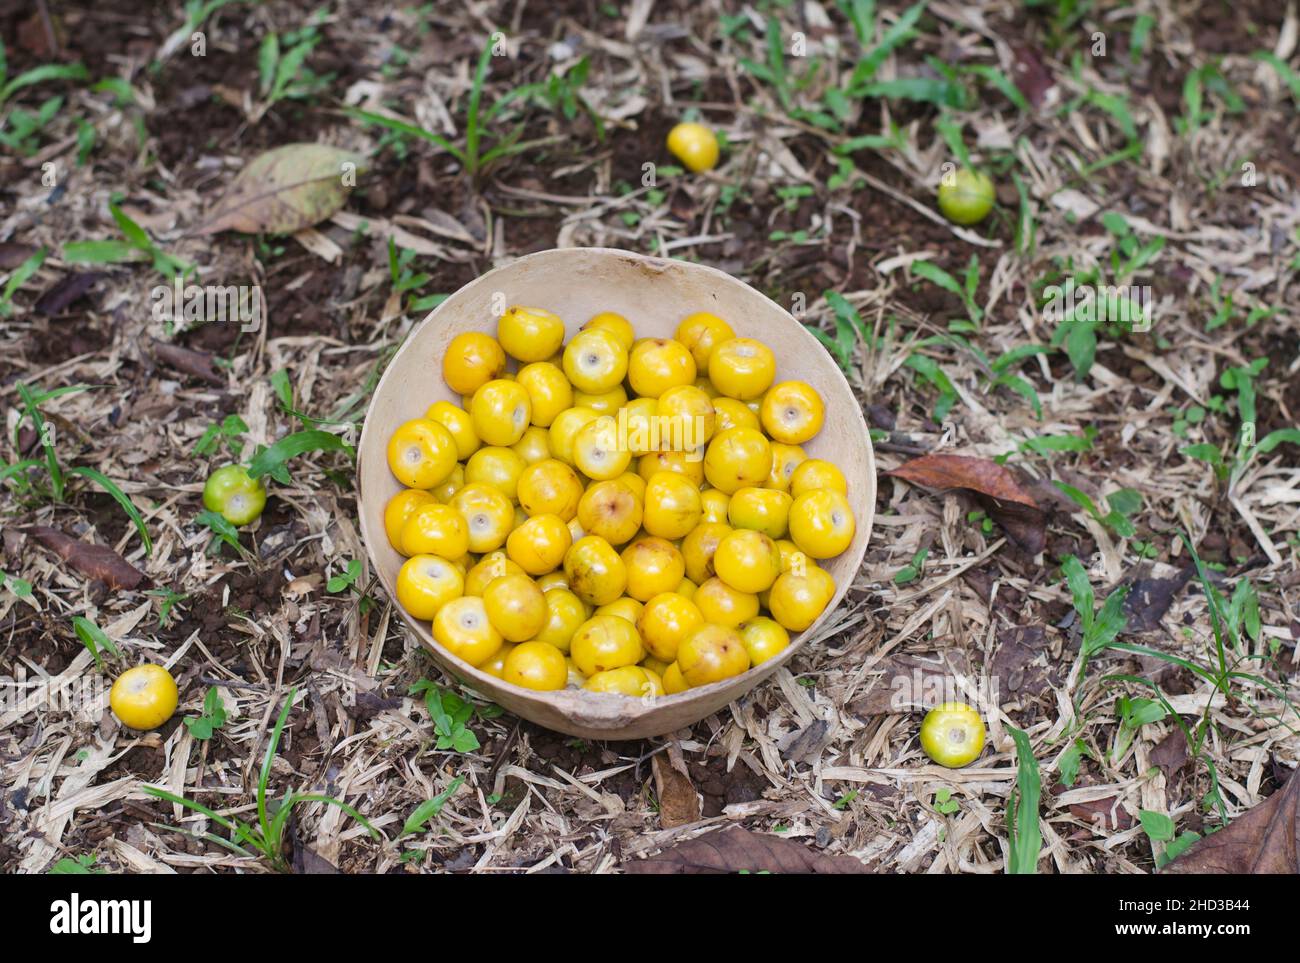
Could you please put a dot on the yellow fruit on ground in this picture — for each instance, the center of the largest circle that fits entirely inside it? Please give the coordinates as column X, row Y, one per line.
column 549, row 392
column 665, row 622
column 764, row 639
column 426, row 583
column 952, row 734
column 695, row 145
column 605, row 642
column 672, row 505
column 796, row 601
column 700, row 332
column 710, row 654
column 595, row 360
column 596, row 573
column 488, row 516
column 435, row 529
column 657, row 364
column 721, row 604
column 530, row 334
column 549, row 487
column 536, row 665
column 462, row 628
column 421, row 453
column 472, row 360
column 654, row 565
column 399, row 510
column 629, row 680
column 539, row 544
column 144, row 697
column 737, row 458
column 792, row 412
column 742, row 368
column 501, row 411
column 748, row 561
column 821, row 523
column 459, row 423
column 610, row 509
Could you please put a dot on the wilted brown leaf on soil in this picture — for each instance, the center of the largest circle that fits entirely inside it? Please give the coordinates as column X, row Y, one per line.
column 1149, row 599
column 1262, row 840
column 679, row 803
column 738, row 850
column 284, row 190
column 188, row 361
column 92, row 560
column 996, row 488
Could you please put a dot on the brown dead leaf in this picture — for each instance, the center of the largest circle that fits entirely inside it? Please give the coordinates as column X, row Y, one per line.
column 13, row 254
column 1149, row 599
column 1170, row 753
column 90, row 559
column 284, row 190
column 188, row 361
column 1103, row 815
column 737, row 850
column 1030, row 74
column 679, row 803
column 992, row 484
column 1262, row 840
column 908, row 682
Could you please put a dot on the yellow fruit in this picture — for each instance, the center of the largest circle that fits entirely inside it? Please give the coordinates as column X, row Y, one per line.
column 952, row 734
column 595, row 571
column 595, row 360
column 496, row 665
column 821, row 523
column 598, row 452
column 459, row 423
column 699, row 547
column 691, row 415
column 665, row 622
column 565, row 428
column 472, row 360
column 399, row 510
column 785, row 459
column 748, row 561
column 672, row 505
column 144, row 697
column 814, row 474
column 450, row 485
column 700, row 332
column 792, row 412
column 534, row 446
column 628, row 680
column 624, row 607
column 686, row 588
column 539, row 544
column 421, row 453
column 604, row 403
column 488, row 516
column 715, row 505
column 564, row 613
column 549, row 392
column 742, row 368
column 654, row 566
column 689, row 463
column 721, row 604
column 462, row 628
column 515, row 607
column 737, row 458
column 610, row 509
column 731, row 413
column 605, row 642
column 673, row 681
column 435, row 529
column 639, row 425
column 549, row 487
column 657, row 364
column 761, row 509
column 616, row 325
column 764, row 639
column 695, row 145
column 426, row 583
column 490, row 567
column 966, row 196
column 536, row 665
column 501, row 411
column 498, row 468
column 796, row 601
column 530, row 334
column 710, row 654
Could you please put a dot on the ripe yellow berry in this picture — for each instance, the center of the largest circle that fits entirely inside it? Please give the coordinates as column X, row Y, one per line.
column 595, row 360
column 472, row 360
column 144, row 697
column 610, row 509
column 539, row 544
column 536, row 665
column 515, row 606
column 616, row 325
column 761, row 509
column 598, row 451
column 699, row 547
column 488, row 516
column 821, row 523
column 657, row 364
column 814, row 474
column 737, row 458
column 605, row 642
column 496, row 467
column 549, row 392
column 695, row 145
column 742, row 368
column 462, row 628
column 720, row 604
column 399, row 510
column 700, row 332
column 654, row 566
column 435, row 529
column 565, row 612
column 792, row 412
column 501, row 411
column 712, row 653
column 627, row 680
column 796, row 601
column 421, row 453
column 748, row 561
column 672, row 505
column 666, row 621
column 549, row 487
column 530, row 334
column 596, row 573
column 426, row 583
column 764, row 639
column 457, row 421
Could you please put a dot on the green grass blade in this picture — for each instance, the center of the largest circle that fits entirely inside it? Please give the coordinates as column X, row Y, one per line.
column 265, row 775
column 1024, row 834
column 271, row 459
column 119, row 496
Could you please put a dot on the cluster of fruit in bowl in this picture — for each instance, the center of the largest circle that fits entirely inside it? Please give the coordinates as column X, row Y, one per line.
column 618, row 513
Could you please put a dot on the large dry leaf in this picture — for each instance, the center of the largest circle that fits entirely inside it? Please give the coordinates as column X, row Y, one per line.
column 992, row 484
column 92, row 560
column 284, row 190
column 738, row 850
column 679, row 803
column 1261, row 841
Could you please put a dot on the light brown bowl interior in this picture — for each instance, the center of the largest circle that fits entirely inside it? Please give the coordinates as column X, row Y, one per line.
column 654, row 294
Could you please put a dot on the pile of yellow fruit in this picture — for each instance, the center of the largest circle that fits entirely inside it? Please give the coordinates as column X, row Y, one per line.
column 615, row 514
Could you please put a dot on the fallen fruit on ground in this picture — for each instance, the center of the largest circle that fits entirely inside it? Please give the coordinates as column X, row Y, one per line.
column 144, row 697
column 234, row 495
column 952, row 734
